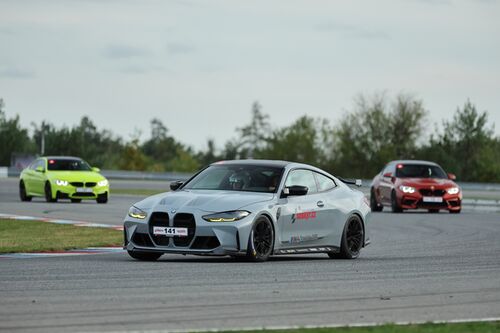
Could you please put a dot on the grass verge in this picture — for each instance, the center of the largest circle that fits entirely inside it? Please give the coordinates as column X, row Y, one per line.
column 136, row 191
column 473, row 327
column 34, row 236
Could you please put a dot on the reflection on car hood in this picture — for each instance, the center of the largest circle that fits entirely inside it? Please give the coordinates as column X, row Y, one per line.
column 206, row 200
column 87, row 176
column 427, row 182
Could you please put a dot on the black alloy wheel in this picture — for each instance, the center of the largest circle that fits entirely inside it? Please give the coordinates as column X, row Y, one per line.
column 352, row 239
column 145, row 256
column 261, row 241
column 22, row 192
column 374, row 205
column 48, row 193
column 396, row 208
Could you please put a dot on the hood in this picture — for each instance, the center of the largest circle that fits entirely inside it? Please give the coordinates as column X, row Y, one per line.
column 70, row 176
column 205, row 200
column 423, row 182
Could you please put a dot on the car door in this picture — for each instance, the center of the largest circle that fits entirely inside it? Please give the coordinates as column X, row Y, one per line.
column 386, row 184
column 38, row 177
column 300, row 214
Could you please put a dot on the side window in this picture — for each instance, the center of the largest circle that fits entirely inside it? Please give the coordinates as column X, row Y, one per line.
column 388, row 168
column 324, row 183
column 36, row 164
column 302, row 178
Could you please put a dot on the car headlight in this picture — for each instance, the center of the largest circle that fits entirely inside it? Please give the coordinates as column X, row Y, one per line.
column 453, row 190
column 103, row 182
column 61, row 182
column 407, row 189
column 232, row 216
column 137, row 213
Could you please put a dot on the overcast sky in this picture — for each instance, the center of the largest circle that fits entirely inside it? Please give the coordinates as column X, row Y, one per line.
column 199, row 65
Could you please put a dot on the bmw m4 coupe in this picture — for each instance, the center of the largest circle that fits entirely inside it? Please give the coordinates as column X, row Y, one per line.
column 63, row 177
column 252, row 209
column 415, row 184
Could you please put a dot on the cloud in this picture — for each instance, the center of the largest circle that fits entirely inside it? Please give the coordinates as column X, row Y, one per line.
column 352, row 31
column 179, row 48
column 141, row 69
column 120, row 51
column 16, row 73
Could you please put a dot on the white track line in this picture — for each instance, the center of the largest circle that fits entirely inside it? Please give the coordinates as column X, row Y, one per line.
column 60, row 221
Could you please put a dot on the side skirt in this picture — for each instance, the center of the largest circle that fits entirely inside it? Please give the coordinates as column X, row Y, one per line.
column 314, row 249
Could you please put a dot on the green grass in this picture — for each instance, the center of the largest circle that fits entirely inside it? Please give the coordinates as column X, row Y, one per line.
column 34, row 236
column 479, row 327
column 137, row 191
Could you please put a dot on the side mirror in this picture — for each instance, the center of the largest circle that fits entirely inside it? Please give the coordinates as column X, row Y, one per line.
column 39, row 169
column 452, row 176
column 294, row 190
column 96, row 169
column 175, row 185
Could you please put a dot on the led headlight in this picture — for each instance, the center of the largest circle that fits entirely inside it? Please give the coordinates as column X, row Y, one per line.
column 453, row 190
column 231, row 216
column 61, row 182
column 407, row 189
column 137, row 213
column 103, row 182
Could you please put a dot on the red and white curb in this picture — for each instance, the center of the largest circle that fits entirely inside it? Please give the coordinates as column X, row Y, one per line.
column 87, row 251
column 60, row 221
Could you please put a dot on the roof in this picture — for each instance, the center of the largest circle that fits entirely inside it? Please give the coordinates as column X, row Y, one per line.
column 273, row 163
column 61, row 157
column 413, row 162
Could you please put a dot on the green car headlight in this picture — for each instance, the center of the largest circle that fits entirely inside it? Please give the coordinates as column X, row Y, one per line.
column 61, row 182
column 103, row 182
column 231, row 216
column 137, row 213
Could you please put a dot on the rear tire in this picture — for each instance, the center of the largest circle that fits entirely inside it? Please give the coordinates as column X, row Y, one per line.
column 374, row 205
column 48, row 193
column 352, row 239
column 261, row 240
column 22, row 192
column 145, row 256
column 396, row 208
column 76, row 200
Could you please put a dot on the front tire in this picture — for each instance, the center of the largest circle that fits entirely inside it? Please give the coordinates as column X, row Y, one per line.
column 48, row 193
column 456, row 211
column 396, row 208
column 22, row 192
column 261, row 240
column 374, row 205
column 352, row 239
column 76, row 200
column 102, row 198
column 145, row 256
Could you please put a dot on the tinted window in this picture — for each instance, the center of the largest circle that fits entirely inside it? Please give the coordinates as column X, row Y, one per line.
column 388, row 168
column 302, row 178
column 37, row 163
column 249, row 178
column 419, row 171
column 68, row 165
column 324, row 183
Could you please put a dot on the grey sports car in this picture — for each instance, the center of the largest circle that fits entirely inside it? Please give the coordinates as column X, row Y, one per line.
column 251, row 209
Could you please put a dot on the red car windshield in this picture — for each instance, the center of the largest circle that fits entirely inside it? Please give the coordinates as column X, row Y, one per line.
column 419, row 171
column 68, row 165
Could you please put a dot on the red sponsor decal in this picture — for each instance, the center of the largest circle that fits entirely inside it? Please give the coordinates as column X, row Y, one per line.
column 305, row 215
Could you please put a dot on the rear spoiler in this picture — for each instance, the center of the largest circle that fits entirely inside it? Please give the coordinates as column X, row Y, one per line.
column 357, row 182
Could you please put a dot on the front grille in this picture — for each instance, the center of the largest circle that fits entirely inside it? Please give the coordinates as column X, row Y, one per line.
column 158, row 219
column 77, row 184
column 432, row 193
column 141, row 239
column 205, row 243
column 183, row 220
column 90, row 184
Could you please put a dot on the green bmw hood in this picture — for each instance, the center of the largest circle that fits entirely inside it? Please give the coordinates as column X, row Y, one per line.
column 70, row 176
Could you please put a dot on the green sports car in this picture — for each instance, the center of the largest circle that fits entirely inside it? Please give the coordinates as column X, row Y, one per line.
column 63, row 177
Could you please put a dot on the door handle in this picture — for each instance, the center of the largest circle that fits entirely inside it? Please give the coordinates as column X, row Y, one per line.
column 320, row 203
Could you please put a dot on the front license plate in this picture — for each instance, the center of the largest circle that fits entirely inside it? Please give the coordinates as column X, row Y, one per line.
column 170, row 232
column 432, row 199
column 83, row 190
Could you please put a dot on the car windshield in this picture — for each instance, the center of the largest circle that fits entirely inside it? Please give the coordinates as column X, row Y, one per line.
column 68, row 165
column 419, row 171
column 247, row 178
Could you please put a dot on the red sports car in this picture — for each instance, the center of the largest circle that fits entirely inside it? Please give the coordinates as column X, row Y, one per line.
column 415, row 184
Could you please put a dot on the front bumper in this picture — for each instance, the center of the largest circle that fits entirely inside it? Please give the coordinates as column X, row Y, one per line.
column 73, row 192
column 452, row 202
column 204, row 238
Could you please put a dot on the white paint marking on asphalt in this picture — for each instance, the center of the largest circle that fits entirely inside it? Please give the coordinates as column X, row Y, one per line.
column 60, row 221
column 79, row 252
column 293, row 327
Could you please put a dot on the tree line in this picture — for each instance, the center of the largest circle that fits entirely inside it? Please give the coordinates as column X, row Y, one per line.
column 377, row 129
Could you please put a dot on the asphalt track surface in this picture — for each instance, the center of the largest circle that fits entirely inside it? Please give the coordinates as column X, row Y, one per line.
column 419, row 267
